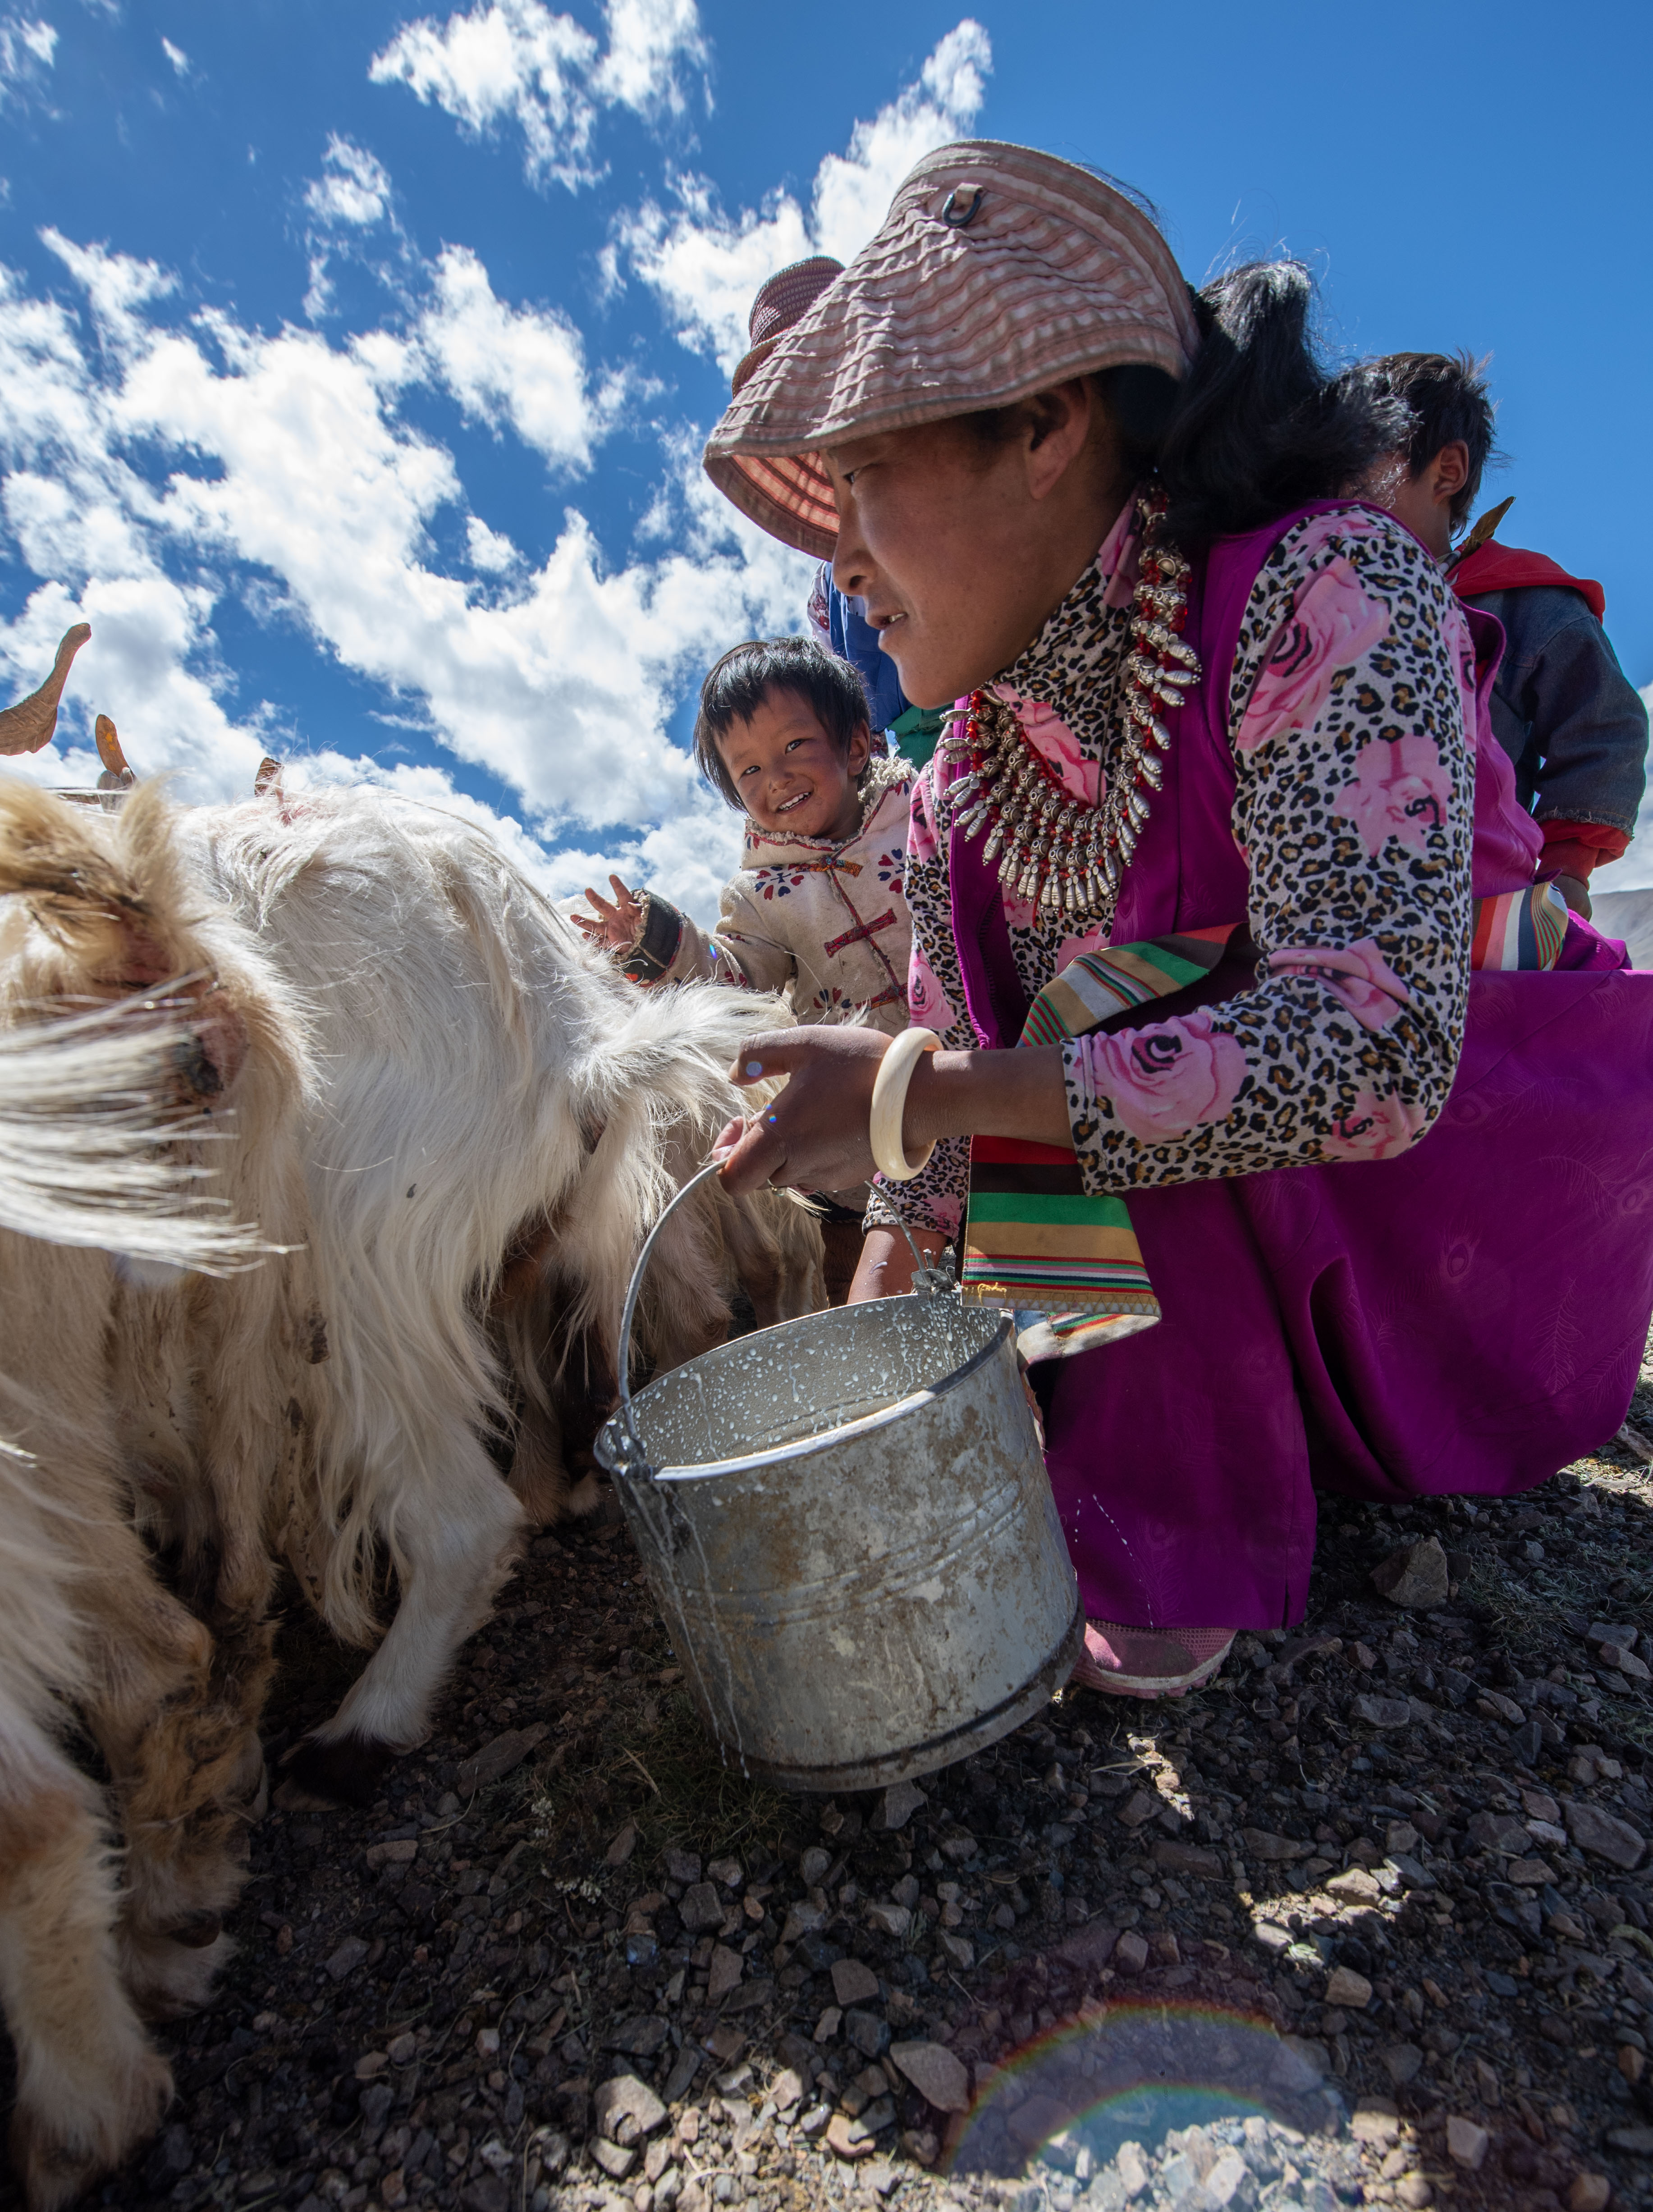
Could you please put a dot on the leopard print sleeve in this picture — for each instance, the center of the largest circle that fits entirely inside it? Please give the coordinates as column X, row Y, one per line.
column 1354, row 806
column 935, row 997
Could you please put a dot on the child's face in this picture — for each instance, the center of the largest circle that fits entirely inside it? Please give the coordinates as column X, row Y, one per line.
column 790, row 777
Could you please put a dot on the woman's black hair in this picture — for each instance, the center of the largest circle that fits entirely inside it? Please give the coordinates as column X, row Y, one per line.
column 1259, row 425
column 737, row 685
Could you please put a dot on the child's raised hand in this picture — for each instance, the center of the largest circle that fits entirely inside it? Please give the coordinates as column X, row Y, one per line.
column 615, row 925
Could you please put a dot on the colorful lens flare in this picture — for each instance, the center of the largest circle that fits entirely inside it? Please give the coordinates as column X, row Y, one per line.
column 1137, row 2071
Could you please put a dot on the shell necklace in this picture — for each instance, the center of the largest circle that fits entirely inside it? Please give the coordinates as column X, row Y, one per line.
column 1052, row 848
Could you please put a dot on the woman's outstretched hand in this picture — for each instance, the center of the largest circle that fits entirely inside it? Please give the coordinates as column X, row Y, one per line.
column 814, row 1135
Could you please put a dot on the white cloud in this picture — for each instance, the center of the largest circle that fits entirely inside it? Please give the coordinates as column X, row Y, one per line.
column 516, row 60
column 290, row 463
column 176, row 56
column 523, row 365
column 490, row 551
column 649, row 43
column 707, row 267
column 355, row 191
column 28, row 47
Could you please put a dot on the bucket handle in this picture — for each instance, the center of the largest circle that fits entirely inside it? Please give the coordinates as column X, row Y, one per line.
column 927, row 1281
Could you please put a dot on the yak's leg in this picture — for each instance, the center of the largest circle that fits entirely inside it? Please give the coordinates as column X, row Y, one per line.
column 169, row 1710
column 456, row 1538
column 90, row 2087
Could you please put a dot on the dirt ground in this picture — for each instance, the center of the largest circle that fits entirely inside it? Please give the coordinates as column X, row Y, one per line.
column 1366, row 1922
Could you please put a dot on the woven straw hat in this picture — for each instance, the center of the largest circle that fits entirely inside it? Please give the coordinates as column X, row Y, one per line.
column 998, row 272
column 784, row 300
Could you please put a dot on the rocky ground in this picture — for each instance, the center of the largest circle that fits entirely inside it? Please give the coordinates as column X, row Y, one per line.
column 1367, row 1921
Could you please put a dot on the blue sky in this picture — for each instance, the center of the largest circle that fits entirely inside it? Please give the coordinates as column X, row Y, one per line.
column 355, row 362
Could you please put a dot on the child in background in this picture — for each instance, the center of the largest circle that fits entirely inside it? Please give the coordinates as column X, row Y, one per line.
column 817, row 911
column 1562, row 707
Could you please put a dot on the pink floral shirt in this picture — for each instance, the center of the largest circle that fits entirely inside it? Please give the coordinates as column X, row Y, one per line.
column 1350, row 697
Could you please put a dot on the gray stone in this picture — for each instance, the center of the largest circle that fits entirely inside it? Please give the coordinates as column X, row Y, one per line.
column 897, row 1806
column 1133, row 2169
column 803, row 1919
column 1272, row 1850
column 1380, row 1712
column 815, row 1865
column 1140, row 1806
column 499, row 1758
column 1466, row 2143
column 1188, row 1859
column 725, row 1970
column 614, row 2161
column 853, row 1983
column 1349, row 1991
column 623, row 1845
column 1089, row 1948
column 376, row 2104
column 935, row 2073
column 1638, row 2142
column 1615, row 1654
column 348, row 1957
column 1130, row 1953
column 684, row 2067
column 889, row 1919
column 1415, row 1576
column 702, row 1908
column 866, row 2032
column 626, row 2108
column 1401, row 2062
column 1606, row 1631
column 641, row 2037
column 1501, row 1832
column 684, row 1867
column 1602, row 1834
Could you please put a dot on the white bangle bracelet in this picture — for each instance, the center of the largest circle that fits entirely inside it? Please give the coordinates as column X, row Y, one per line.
column 890, row 1102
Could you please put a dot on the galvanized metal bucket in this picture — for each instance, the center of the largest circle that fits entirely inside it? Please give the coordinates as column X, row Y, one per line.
column 846, row 1523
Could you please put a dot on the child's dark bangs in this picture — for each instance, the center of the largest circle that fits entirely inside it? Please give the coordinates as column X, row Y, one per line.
column 739, row 685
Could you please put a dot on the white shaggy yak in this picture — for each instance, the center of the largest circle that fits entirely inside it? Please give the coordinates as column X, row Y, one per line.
column 84, row 1105
column 448, row 1091
column 456, row 1124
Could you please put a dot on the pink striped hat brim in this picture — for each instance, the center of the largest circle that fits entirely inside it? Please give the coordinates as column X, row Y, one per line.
column 1054, row 274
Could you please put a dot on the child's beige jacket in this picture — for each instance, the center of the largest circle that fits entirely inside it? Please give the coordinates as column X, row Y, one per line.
column 824, row 925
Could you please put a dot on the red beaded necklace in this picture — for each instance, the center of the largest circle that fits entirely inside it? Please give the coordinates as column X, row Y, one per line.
column 1052, row 848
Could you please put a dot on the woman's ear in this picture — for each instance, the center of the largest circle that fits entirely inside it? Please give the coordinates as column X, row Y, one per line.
column 1057, row 427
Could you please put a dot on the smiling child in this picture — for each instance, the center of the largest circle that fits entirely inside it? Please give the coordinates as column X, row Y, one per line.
column 817, row 911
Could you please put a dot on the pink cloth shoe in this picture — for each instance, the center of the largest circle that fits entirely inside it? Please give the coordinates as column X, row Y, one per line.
column 1150, row 1663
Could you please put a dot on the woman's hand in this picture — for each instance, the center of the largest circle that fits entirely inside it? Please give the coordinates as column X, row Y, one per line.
column 814, row 1135
column 615, row 928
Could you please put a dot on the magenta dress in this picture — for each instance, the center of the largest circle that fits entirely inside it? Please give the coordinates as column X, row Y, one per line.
column 1466, row 1315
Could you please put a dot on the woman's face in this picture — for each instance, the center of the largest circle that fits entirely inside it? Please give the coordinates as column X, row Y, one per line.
column 960, row 549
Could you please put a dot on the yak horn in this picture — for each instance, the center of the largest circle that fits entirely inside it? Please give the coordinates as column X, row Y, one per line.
column 29, row 725
column 109, row 751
